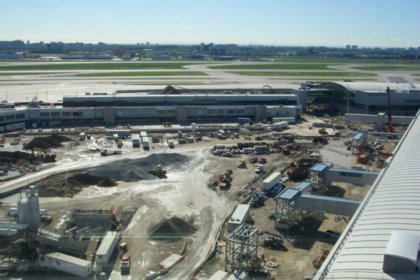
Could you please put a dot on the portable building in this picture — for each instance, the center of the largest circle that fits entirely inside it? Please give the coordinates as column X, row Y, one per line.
column 239, row 216
column 66, row 263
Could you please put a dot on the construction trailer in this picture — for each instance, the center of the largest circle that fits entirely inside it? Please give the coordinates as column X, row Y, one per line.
column 135, row 138
column 66, row 263
column 106, row 249
column 239, row 216
column 270, row 181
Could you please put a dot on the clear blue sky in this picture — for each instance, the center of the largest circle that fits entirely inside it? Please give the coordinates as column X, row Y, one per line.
column 383, row 23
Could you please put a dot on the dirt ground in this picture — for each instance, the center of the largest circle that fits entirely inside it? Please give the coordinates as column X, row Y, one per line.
column 191, row 213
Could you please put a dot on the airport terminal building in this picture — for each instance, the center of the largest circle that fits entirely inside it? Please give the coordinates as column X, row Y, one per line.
column 116, row 109
column 366, row 96
column 142, row 108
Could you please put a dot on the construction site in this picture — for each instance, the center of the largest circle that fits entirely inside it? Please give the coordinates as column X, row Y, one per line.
column 246, row 201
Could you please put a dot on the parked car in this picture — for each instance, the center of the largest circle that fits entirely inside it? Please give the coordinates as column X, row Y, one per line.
column 262, row 161
column 259, row 170
column 253, row 160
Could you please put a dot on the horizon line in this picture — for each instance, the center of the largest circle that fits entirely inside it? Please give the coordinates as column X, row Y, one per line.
column 224, row 43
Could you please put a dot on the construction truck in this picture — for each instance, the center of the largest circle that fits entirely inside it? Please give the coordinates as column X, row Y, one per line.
column 158, row 171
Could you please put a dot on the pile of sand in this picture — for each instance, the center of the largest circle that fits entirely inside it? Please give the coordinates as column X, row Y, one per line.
column 173, row 228
column 47, row 142
column 132, row 170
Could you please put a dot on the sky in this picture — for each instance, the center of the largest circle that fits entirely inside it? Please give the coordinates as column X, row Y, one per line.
column 371, row 23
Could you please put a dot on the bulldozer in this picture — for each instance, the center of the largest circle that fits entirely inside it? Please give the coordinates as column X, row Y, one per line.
column 158, row 171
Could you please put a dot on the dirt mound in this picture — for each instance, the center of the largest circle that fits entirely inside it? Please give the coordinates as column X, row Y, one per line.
column 14, row 156
column 52, row 141
column 128, row 170
column 60, row 185
column 87, row 179
column 173, row 228
column 132, row 170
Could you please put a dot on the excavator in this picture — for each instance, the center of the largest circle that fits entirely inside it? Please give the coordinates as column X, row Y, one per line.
column 158, row 171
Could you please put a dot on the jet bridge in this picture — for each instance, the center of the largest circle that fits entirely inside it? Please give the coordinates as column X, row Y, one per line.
column 327, row 204
column 291, row 200
column 322, row 174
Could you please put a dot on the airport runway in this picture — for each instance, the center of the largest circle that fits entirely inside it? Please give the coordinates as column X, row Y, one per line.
column 50, row 85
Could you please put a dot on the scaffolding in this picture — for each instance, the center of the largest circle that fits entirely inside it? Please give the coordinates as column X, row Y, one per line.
column 317, row 176
column 286, row 205
column 242, row 248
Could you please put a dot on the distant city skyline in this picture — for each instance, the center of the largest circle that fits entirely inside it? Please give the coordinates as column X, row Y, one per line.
column 373, row 23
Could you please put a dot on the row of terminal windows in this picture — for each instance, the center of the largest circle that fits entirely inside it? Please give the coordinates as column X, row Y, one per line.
column 12, row 117
column 57, row 114
column 351, row 174
column 223, row 111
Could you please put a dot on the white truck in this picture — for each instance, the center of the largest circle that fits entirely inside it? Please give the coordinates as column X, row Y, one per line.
column 271, row 180
column 146, row 143
column 136, row 140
